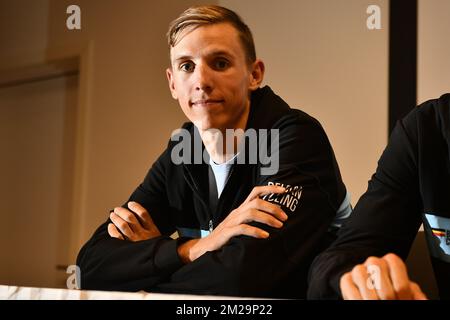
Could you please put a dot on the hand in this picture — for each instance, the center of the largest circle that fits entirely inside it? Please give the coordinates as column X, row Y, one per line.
column 235, row 224
column 383, row 278
column 135, row 227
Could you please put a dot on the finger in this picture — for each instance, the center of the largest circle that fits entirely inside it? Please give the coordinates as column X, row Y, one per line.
column 349, row 290
column 113, row 232
column 258, row 216
column 142, row 214
column 380, row 279
column 263, row 190
column 417, row 292
column 247, row 230
column 361, row 279
column 268, row 207
column 122, row 225
column 399, row 276
column 127, row 216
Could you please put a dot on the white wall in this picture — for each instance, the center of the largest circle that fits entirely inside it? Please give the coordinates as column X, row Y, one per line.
column 321, row 58
column 433, row 49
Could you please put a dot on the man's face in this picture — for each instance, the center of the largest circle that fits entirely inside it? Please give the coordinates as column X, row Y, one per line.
column 211, row 79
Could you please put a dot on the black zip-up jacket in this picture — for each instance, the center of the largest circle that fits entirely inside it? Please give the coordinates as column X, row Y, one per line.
column 176, row 196
column 411, row 185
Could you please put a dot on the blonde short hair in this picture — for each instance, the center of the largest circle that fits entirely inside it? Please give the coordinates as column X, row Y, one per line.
column 198, row 16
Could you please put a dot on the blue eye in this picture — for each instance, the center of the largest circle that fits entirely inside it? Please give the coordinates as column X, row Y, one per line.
column 187, row 67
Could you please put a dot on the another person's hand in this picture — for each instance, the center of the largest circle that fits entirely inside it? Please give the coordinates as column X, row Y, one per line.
column 236, row 224
column 135, row 226
column 383, row 278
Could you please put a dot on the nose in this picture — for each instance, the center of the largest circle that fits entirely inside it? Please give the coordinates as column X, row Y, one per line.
column 203, row 76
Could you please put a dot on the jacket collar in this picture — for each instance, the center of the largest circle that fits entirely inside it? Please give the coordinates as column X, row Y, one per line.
column 266, row 108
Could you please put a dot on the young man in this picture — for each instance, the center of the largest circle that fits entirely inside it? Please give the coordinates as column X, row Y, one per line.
column 246, row 227
column 410, row 186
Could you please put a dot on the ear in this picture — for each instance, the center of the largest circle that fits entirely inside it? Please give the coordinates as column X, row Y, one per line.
column 257, row 74
column 171, row 81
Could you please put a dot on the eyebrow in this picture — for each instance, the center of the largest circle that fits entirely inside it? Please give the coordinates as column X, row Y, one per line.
column 184, row 57
column 212, row 53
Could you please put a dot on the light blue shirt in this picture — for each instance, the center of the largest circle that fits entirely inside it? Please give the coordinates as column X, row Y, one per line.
column 221, row 173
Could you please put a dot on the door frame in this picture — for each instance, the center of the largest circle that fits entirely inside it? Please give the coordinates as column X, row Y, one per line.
column 55, row 62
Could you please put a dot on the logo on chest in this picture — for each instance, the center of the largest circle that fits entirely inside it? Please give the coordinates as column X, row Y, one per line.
column 289, row 199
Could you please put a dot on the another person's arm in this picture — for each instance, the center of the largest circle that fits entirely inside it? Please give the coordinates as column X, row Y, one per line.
column 384, row 278
column 385, row 220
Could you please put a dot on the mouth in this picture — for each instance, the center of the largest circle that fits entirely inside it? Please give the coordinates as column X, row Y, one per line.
column 205, row 102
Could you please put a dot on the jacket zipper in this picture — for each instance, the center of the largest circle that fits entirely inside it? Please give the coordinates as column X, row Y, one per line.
column 219, row 202
column 197, row 189
column 194, row 186
column 211, row 227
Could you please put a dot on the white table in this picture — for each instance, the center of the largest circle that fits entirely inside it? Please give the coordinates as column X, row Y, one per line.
column 32, row 293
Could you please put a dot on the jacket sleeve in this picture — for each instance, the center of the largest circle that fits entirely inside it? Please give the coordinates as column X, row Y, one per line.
column 111, row 264
column 277, row 266
column 385, row 219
